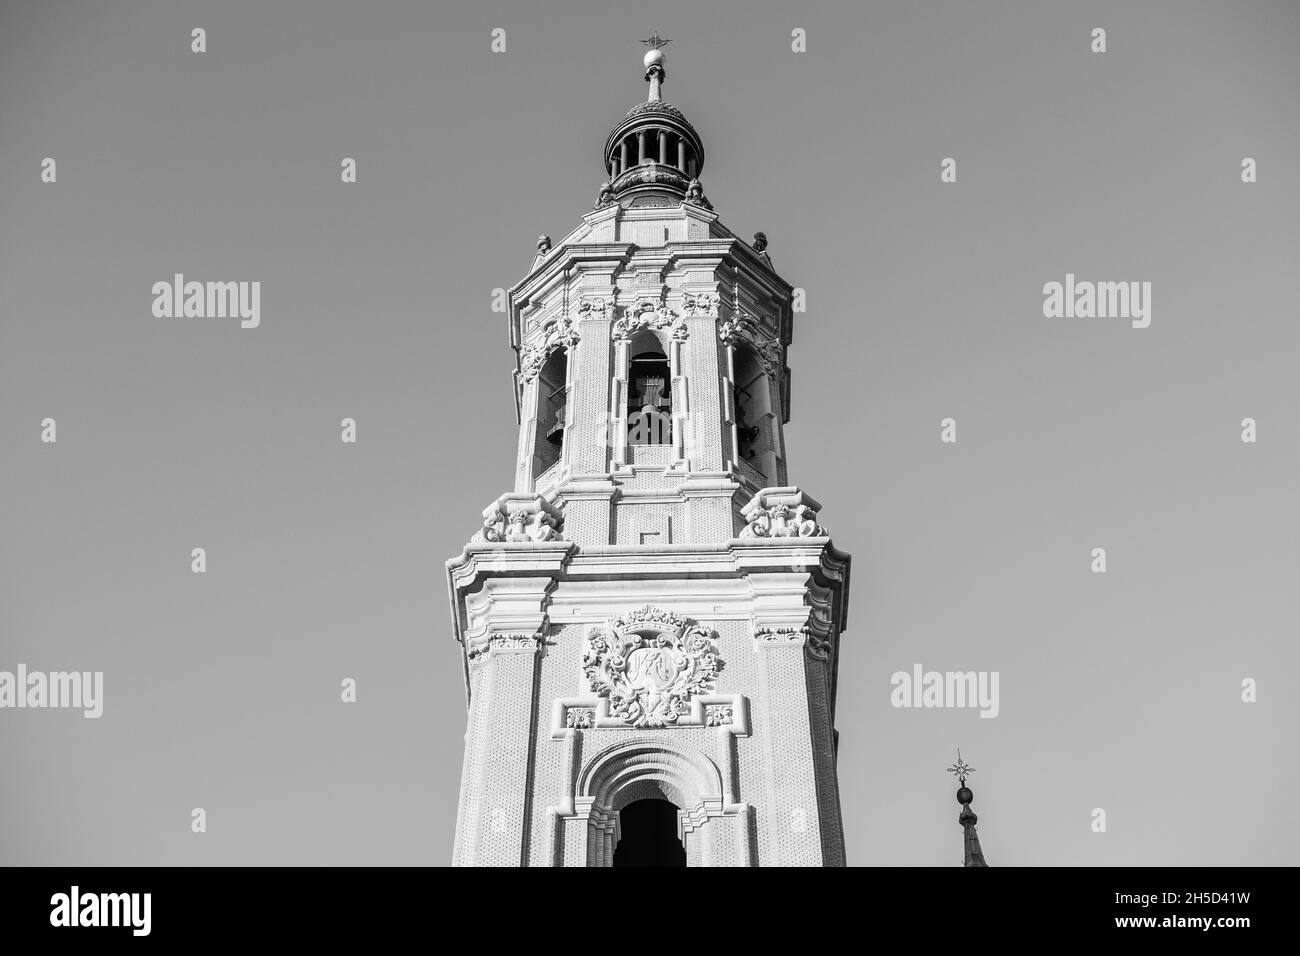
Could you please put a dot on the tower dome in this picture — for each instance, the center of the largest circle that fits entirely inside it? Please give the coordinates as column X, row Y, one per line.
column 652, row 155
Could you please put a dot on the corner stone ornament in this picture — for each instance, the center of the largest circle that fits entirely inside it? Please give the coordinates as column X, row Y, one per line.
column 520, row 518
column 649, row 663
column 782, row 513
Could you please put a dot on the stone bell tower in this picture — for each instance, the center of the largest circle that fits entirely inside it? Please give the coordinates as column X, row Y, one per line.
column 650, row 620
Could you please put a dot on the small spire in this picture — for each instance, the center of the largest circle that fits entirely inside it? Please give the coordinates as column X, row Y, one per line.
column 972, row 855
column 654, row 64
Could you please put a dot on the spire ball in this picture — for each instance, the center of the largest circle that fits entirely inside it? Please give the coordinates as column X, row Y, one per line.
column 653, row 58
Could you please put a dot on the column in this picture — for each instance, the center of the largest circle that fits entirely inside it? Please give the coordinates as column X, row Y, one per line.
column 679, row 399
column 729, row 409
column 622, row 156
column 681, row 154
column 618, row 402
column 663, row 147
column 640, row 147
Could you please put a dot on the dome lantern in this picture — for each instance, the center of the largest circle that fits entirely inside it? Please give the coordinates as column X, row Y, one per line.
column 654, row 153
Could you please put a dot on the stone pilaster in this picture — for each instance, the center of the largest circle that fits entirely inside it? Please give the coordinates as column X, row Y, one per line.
column 502, row 645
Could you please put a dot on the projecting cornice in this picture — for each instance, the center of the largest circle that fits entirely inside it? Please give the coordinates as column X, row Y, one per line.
column 734, row 559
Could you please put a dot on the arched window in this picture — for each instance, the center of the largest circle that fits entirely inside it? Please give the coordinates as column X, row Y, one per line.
column 551, row 395
column 649, row 392
column 752, row 396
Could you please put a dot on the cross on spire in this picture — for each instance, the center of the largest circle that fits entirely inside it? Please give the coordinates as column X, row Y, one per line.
column 960, row 769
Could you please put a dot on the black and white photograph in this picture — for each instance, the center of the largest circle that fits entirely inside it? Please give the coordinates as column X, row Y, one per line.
column 741, row 434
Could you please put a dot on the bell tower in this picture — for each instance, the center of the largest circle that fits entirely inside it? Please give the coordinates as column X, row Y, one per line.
column 650, row 621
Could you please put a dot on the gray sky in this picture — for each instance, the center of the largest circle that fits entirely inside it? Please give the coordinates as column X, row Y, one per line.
column 1119, row 691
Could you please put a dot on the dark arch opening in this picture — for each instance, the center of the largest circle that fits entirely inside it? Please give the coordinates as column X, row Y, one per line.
column 649, row 835
column 752, row 402
column 551, row 397
column 649, row 393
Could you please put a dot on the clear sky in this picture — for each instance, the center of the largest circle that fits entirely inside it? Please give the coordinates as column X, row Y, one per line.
column 1119, row 691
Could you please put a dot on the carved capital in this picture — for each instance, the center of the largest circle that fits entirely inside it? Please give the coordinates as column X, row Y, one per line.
column 817, row 647
column 503, row 642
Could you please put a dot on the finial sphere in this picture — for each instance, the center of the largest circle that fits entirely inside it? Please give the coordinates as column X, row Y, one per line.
column 653, row 58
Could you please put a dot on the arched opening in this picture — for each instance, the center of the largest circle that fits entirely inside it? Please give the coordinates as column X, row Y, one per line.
column 753, row 403
column 551, row 395
column 649, row 769
column 649, row 392
column 649, row 835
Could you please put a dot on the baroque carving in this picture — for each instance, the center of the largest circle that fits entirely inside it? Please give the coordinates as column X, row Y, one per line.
column 520, row 518
column 718, row 715
column 592, row 307
column 583, row 718
column 783, row 521
column 650, row 312
column 558, row 333
column 700, row 304
column 782, row 513
column 516, row 642
column 649, row 663
column 818, row 647
column 781, row 635
column 743, row 328
column 695, row 195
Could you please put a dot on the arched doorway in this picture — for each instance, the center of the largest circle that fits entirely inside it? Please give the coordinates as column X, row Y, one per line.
column 705, row 819
column 648, row 831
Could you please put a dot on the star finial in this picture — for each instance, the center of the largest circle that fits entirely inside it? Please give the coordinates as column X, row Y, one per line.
column 655, row 41
column 960, row 769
